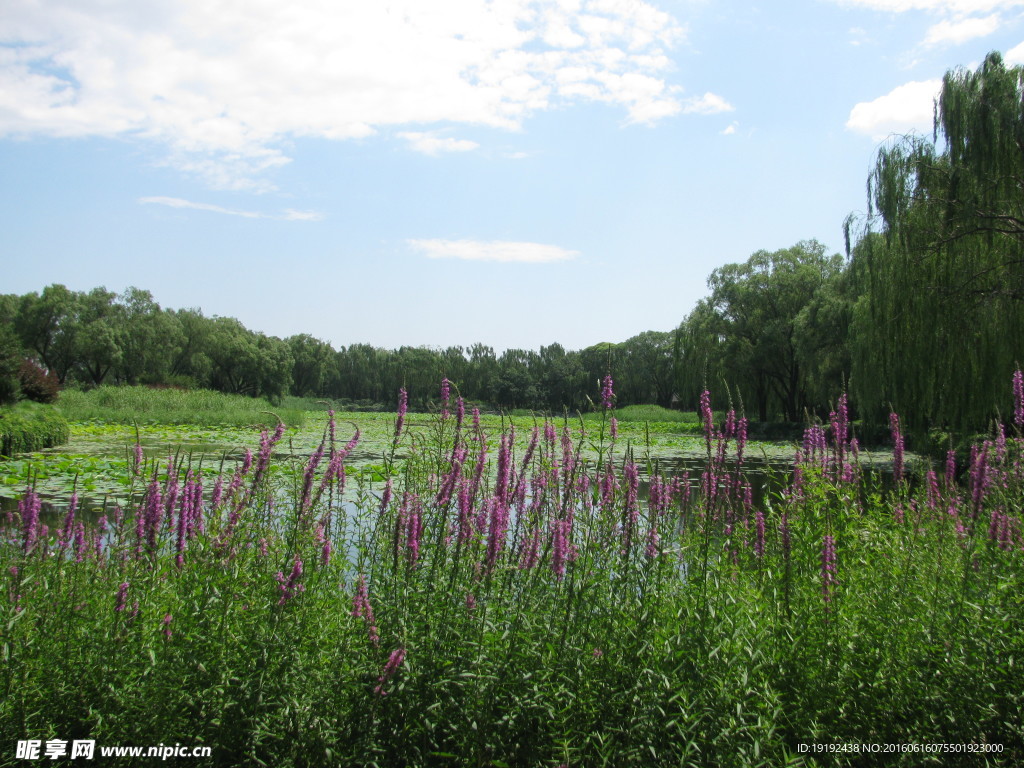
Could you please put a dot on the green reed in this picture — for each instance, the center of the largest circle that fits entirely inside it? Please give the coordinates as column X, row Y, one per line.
column 146, row 405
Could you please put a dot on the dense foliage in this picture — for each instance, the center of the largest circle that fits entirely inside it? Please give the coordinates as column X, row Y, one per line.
column 774, row 329
column 30, row 427
column 505, row 600
column 941, row 318
column 97, row 338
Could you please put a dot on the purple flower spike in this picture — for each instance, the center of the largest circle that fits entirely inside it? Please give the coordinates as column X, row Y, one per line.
column 531, row 551
column 497, row 530
column 707, row 417
column 446, row 396
column 897, row 450
column 1018, row 399
column 29, row 508
column 68, row 531
column 394, row 662
column 403, row 406
column 414, row 533
column 361, row 608
column 559, row 548
column 290, row 586
column 122, row 597
column 653, row 542
column 607, row 394
column 950, row 468
column 325, row 553
column 759, row 534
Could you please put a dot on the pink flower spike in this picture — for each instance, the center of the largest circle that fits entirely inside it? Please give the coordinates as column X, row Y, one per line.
column 122, row 597
column 1018, row 399
column 394, row 662
column 290, row 586
column 607, row 394
column 403, row 406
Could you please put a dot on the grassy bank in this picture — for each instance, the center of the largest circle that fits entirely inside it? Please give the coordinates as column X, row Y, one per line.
column 502, row 602
column 127, row 405
column 31, row 427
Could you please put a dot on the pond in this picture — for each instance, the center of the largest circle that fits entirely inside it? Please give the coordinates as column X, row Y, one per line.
column 97, row 463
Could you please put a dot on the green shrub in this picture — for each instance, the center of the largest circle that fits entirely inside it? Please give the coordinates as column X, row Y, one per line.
column 31, row 427
column 37, row 384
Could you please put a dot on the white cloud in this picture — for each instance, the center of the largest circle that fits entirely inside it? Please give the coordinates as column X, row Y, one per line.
column 730, row 129
column 290, row 214
column 858, row 36
column 494, row 250
column 226, row 86
column 1015, row 55
column 431, row 144
column 961, row 20
column 708, row 104
column 958, row 32
column 958, row 7
column 176, row 202
column 904, row 109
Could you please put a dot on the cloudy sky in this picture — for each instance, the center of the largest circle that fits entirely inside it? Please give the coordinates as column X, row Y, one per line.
column 442, row 173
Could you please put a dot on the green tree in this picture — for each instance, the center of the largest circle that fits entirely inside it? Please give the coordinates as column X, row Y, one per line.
column 559, row 378
column 189, row 357
column 248, row 363
column 481, row 371
column 311, row 364
column 358, row 374
column 515, row 385
column 150, row 339
column 644, row 366
column 747, row 331
column 48, row 326
column 98, row 341
column 942, row 325
column 11, row 355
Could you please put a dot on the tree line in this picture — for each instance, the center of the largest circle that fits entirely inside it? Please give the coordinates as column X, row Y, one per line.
column 100, row 337
column 923, row 315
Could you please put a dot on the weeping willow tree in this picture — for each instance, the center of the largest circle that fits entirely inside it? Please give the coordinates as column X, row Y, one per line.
column 940, row 259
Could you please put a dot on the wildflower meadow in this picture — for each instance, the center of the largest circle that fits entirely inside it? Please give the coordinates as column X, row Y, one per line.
column 546, row 596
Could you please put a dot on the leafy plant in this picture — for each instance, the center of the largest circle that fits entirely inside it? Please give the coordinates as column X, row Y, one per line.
column 36, row 383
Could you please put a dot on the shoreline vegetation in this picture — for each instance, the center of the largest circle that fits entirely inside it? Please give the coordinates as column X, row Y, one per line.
column 170, row 405
column 497, row 599
column 29, row 426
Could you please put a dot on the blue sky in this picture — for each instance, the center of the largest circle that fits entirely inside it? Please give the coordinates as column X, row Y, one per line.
column 449, row 172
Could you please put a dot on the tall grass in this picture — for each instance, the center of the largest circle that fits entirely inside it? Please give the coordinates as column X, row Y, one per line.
column 497, row 607
column 145, row 405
